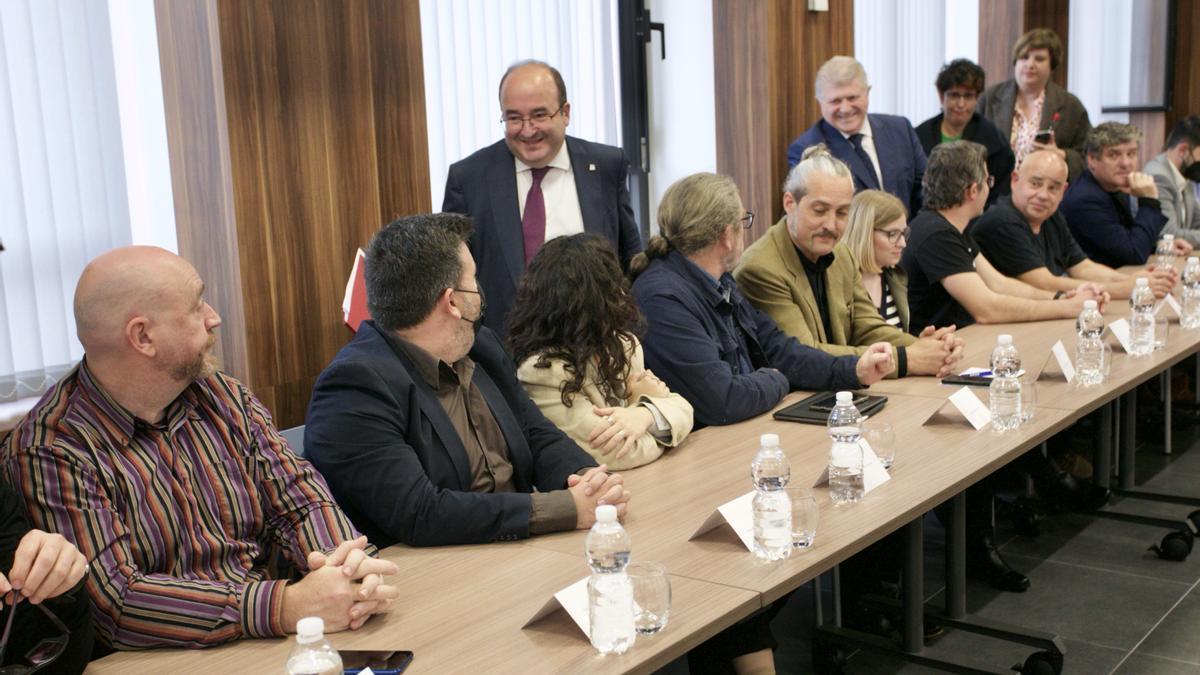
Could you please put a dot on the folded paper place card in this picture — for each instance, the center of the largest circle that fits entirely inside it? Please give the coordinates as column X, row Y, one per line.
column 1120, row 329
column 874, row 474
column 1058, row 362
column 574, row 600
column 1169, row 301
column 966, row 405
column 738, row 514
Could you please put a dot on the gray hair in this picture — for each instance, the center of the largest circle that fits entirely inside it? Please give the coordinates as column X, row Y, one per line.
column 1109, row 134
column 816, row 160
column 953, row 167
column 840, row 70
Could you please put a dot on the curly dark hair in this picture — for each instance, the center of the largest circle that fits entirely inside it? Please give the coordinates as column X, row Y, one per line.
column 574, row 304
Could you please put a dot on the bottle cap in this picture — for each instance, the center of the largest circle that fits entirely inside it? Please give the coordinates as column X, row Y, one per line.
column 310, row 629
column 606, row 513
column 1143, row 281
column 1005, row 339
column 1089, row 304
column 1192, row 260
column 769, row 440
column 1169, row 237
column 845, row 397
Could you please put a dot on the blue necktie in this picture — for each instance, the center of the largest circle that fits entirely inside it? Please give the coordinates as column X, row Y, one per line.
column 856, row 141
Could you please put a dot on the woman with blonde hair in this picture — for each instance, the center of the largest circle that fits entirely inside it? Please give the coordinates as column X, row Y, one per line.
column 876, row 234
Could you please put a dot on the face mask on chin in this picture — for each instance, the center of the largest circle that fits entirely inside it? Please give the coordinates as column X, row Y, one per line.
column 477, row 322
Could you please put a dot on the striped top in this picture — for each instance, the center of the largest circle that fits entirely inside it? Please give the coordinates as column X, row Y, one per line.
column 179, row 519
column 888, row 309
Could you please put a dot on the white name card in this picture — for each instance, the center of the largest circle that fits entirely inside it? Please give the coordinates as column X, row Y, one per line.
column 1120, row 329
column 1058, row 354
column 737, row 514
column 574, row 600
column 1171, row 302
column 968, row 406
column 874, row 474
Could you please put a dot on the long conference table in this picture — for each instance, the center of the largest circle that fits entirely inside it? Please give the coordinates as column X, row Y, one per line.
column 463, row 608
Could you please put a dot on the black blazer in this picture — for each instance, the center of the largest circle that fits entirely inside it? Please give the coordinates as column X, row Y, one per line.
column 484, row 186
column 1000, row 158
column 376, row 432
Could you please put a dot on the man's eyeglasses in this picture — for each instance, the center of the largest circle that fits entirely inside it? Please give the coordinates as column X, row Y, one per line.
column 43, row 652
column 747, row 220
column 991, row 182
column 893, row 236
column 514, row 121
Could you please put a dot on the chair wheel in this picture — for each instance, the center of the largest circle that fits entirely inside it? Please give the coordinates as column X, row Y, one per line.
column 1175, row 546
column 1041, row 663
column 827, row 659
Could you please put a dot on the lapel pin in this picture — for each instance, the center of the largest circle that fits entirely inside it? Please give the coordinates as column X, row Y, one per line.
column 591, row 167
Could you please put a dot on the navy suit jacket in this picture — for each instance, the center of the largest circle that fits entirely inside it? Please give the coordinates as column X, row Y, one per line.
column 484, row 186
column 397, row 467
column 1102, row 231
column 901, row 159
column 689, row 345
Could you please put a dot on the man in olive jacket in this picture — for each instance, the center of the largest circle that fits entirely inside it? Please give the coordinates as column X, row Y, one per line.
column 799, row 260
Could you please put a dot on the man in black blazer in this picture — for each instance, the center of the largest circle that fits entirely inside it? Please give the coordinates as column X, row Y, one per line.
column 420, row 426
column 537, row 184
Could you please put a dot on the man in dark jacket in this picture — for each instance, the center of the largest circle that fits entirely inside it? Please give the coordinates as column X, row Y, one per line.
column 420, row 425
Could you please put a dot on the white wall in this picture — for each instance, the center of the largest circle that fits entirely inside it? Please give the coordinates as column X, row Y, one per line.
column 683, row 116
column 1085, row 53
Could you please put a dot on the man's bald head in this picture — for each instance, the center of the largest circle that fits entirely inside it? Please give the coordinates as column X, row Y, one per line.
column 1038, row 186
column 125, row 283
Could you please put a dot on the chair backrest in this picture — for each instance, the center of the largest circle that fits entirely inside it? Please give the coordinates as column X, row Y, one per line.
column 295, row 438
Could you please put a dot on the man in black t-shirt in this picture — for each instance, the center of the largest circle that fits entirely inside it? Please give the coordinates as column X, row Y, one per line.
column 1028, row 238
column 949, row 282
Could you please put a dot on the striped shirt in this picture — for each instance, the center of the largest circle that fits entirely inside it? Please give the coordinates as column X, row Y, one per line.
column 888, row 309
column 180, row 518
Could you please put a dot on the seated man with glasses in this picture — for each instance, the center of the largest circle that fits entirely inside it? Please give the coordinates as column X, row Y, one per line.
column 809, row 283
column 537, row 184
column 949, row 280
column 959, row 85
column 46, row 614
column 1026, row 237
column 420, row 424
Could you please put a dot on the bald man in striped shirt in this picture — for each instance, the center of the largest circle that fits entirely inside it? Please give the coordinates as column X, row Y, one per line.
column 171, row 479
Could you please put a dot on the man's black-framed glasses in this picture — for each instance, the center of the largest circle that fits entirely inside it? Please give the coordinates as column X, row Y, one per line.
column 538, row 118
column 44, row 652
column 747, row 220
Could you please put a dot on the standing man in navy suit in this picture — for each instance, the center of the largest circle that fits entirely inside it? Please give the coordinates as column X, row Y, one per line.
column 537, row 184
column 882, row 151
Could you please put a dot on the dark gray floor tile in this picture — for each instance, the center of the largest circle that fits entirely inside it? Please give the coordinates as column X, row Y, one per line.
column 1175, row 637
column 989, row 654
column 1104, row 608
column 1144, row 664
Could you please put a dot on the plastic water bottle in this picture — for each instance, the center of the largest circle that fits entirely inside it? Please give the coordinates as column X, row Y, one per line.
column 1191, row 294
column 610, row 593
column 313, row 655
column 770, row 472
column 1004, row 393
column 1141, row 321
column 845, row 455
column 1164, row 252
column 1089, row 348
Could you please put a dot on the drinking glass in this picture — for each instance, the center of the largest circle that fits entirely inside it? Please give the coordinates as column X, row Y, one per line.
column 1028, row 397
column 1161, row 329
column 651, row 596
column 882, row 438
column 804, row 516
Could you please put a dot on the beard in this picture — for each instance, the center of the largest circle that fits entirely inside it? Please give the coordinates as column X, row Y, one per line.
column 202, row 365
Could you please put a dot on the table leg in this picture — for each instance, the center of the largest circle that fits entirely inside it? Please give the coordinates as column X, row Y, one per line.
column 914, row 587
column 1102, row 462
column 956, row 557
column 1126, row 453
column 1167, row 412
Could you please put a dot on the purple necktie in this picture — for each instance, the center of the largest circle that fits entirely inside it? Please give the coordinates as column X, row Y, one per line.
column 533, row 221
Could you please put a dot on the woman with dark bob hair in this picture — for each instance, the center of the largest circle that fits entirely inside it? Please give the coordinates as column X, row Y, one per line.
column 573, row 333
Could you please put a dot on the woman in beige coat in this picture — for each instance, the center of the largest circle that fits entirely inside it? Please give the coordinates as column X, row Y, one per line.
column 572, row 333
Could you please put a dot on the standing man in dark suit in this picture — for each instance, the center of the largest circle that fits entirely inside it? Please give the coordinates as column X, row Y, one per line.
column 420, row 426
column 882, row 151
column 537, row 184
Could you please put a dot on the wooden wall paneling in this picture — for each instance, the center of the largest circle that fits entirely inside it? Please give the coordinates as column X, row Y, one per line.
column 1001, row 23
column 198, row 149
column 1154, row 133
column 324, row 107
column 1186, row 98
column 1055, row 15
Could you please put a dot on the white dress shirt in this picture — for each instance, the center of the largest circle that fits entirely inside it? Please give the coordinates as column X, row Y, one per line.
column 868, row 143
column 563, row 215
